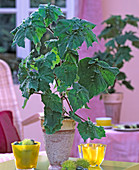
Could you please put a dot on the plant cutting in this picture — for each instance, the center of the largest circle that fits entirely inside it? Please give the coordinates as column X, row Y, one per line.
column 118, row 51
column 76, row 82
column 79, row 164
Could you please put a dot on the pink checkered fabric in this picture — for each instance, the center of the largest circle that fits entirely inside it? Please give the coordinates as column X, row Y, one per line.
column 6, row 157
column 8, row 100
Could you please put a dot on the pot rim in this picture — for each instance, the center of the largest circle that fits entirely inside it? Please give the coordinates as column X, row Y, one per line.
column 112, row 98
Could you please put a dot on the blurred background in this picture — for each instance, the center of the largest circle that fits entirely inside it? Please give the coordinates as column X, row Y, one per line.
column 12, row 12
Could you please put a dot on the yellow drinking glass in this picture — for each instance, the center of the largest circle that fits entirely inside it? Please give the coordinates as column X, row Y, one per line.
column 92, row 152
column 26, row 156
column 104, row 121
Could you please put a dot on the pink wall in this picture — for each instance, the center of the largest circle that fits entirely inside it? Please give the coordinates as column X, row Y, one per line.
column 130, row 108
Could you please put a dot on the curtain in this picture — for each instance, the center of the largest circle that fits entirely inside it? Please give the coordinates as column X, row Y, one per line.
column 90, row 10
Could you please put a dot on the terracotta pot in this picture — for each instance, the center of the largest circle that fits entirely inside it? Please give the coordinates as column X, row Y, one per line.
column 59, row 144
column 113, row 103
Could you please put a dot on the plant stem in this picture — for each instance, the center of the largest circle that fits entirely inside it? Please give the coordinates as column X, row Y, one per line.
column 75, row 114
column 56, row 82
column 61, row 94
column 38, row 93
column 80, row 117
column 65, row 111
column 72, row 109
column 50, row 29
column 62, row 104
column 113, row 84
column 68, row 103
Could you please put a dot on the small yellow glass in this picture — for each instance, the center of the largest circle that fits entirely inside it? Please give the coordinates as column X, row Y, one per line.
column 26, row 156
column 104, row 121
column 93, row 152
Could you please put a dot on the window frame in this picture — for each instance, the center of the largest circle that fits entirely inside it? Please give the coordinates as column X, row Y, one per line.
column 22, row 10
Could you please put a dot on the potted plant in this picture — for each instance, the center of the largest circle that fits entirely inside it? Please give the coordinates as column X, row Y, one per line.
column 116, row 54
column 76, row 82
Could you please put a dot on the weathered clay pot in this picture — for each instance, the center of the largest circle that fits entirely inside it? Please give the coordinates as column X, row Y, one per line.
column 113, row 103
column 59, row 144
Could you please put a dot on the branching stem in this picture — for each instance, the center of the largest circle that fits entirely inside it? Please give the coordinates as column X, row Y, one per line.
column 80, row 117
column 49, row 29
column 68, row 103
column 72, row 109
column 38, row 93
column 114, row 84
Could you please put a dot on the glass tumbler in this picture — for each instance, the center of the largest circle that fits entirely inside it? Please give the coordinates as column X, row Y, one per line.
column 93, row 152
column 26, row 156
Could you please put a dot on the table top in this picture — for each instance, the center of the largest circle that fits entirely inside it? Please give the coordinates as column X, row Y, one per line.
column 106, row 165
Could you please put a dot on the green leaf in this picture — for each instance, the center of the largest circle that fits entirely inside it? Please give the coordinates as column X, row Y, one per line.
column 121, row 76
column 31, row 28
column 130, row 19
column 49, row 59
column 136, row 44
column 22, row 73
column 45, row 72
column 72, row 33
column 121, row 39
column 71, row 56
column 115, row 25
column 52, row 43
column 52, row 120
column 52, row 101
column 110, row 44
column 131, row 36
column 66, row 72
column 77, row 78
column 29, row 61
column 123, row 54
column 25, row 102
column 111, row 90
column 104, row 56
column 120, row 65
column 115, row 20
column 78, row 96
column 86, row 106
column 108, row 73
column 108, row 32
column 128, row 84
column 57, row 61
column 33, row 80
column 75, row 117
column 62, row 87
column 88, row 130
column 28, row 80
column 53, row 57
column 50, row 13
column 96, row 76
column 46, row 76
column 25, row 88
column 19, row 37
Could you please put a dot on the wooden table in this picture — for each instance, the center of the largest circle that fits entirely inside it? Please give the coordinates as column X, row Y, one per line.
column 106, row 165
